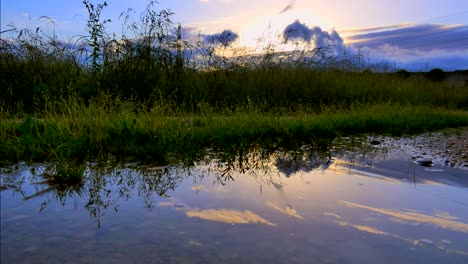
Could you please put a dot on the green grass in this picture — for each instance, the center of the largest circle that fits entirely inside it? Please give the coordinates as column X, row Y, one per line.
column 78, row 133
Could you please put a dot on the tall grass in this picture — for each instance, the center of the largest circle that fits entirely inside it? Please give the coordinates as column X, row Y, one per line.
column 151, row 63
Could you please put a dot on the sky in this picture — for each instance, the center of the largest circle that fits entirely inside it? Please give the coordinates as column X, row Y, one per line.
column 414, row 34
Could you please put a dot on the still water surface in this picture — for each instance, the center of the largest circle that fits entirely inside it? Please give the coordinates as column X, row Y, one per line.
column 280, row 209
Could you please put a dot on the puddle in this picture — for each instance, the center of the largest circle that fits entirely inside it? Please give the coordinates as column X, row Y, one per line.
column 285, row 208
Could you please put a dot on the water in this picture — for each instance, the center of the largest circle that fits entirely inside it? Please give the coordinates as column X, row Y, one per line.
column 284, row 208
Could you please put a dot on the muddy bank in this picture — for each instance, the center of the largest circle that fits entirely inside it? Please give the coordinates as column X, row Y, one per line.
column 448, row 148
column 437, row 158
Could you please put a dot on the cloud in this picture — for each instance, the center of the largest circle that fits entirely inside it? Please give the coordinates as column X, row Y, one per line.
column 371, row 29
column 224, row 38
column 288, row 7
column 415, row 47
column 193, row 34
column 190, row 34
column 420, row 37
column 298, row 31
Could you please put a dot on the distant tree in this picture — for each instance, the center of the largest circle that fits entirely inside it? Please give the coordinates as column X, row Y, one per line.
column 404, row 74
column 367, row 72
column 436, row 75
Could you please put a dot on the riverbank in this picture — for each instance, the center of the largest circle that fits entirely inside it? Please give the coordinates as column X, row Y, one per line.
column 79, row 133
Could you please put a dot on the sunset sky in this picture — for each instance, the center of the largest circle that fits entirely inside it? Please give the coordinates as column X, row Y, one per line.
column 415, row 34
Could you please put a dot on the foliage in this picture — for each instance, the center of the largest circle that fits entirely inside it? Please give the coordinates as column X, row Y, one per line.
column 96, row 31
column 436, row 75
column 404, row 74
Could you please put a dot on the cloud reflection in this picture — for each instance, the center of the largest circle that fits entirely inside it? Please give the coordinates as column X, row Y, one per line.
column 287, row 211
column 441, row 244
column 229, row 216
column 363, row 228
column 443, row 222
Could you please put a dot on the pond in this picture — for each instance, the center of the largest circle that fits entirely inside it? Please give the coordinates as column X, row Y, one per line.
column 365, row 202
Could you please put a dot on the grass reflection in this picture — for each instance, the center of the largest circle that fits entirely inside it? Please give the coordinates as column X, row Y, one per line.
column 104, row 185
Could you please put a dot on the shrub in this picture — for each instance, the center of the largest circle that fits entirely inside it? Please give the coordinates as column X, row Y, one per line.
column 404, row 74
column 436, row 75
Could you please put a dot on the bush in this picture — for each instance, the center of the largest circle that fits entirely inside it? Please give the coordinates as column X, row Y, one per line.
column 404, row 74
column 436, row 75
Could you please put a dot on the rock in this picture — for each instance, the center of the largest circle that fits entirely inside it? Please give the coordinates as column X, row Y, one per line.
column 305, row 147
column 375, row 142
column 424, row 162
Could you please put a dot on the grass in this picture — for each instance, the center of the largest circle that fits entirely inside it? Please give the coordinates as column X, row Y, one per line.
column 145, row 96
column 78, row 132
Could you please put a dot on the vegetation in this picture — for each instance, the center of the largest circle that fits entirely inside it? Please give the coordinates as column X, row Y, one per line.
column 154, row 96
column 403, row 74
column 436, row 75
column 77, row 132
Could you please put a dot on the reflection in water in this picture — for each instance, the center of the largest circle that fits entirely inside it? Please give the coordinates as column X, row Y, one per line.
column 441, row 245
column 332, row 214
column 229, row 216
column 104, row 186
column 443, row 222
column 222, row 209
column 107, row 184
column 287, row 211
column 363, row 228
column 347, row 168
